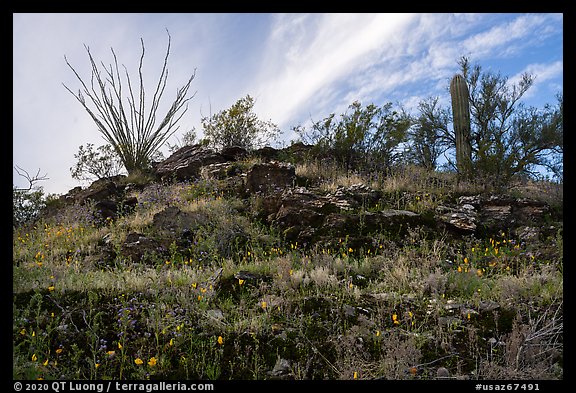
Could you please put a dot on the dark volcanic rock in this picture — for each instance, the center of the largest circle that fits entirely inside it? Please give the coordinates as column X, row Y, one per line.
column 306, row 216
column 107, row 195
column 489, row 214
column 234, row 153
column 172, row 219
column 187, row 161
column 270, row 176
column 139, row 248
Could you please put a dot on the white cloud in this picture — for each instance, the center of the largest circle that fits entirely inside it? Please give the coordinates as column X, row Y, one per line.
column 327, row 51
column 542, row 72
column 297, row 66
column 508, row 38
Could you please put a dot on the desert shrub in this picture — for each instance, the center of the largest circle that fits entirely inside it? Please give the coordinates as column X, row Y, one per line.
column 239, row 126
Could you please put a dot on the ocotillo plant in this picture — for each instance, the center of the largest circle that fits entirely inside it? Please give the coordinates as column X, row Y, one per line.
column 461, row 119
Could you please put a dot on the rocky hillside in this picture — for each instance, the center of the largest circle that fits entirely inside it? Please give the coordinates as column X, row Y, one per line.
column 277, row 265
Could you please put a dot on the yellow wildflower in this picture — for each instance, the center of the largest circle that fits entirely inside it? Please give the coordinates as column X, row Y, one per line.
column 220, row 340
column 138, row 361
column 152, row 361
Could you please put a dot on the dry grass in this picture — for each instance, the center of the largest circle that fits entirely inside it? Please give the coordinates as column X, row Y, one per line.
column 329, row 176
column 399, row 313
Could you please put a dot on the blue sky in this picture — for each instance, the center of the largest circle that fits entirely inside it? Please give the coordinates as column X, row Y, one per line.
column 298, row 67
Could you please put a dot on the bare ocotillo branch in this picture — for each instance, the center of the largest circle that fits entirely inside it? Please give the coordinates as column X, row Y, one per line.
column 123, row 119
column 31, row 179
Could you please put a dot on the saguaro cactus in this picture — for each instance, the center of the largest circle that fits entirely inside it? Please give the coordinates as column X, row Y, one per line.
column 461, row 119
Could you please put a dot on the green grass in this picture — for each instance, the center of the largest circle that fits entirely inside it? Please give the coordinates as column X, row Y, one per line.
column 398, row 311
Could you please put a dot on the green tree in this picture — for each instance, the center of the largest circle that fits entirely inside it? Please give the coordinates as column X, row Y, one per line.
column 121, row 113
column 538, row 140
column 98, row 164
column 507, row 138
column 369, row 137
column 28, row 202
column 425, row 136
column 239, row 126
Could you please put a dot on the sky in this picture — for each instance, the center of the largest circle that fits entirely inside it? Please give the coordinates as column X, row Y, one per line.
column 299, row 68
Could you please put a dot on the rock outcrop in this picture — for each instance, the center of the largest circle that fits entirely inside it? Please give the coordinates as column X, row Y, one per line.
column 270, row 177
column 307, row 215
column 488, row 214
column 108, row 196
column 187, row 161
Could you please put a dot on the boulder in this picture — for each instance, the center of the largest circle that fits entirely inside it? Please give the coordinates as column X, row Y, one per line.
column 100, row 190
column 139, row 248
column 173, row 219
column 106, row 209
column 220, row 171
column 300, row 208
column 266, row 153
column 173, row 226
column 234, row 153
column 307, row 216
column 270, row 177
column 108, row 196
column 461, row 219
column 355, row 196
column 490, row 214
column 187, row 161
